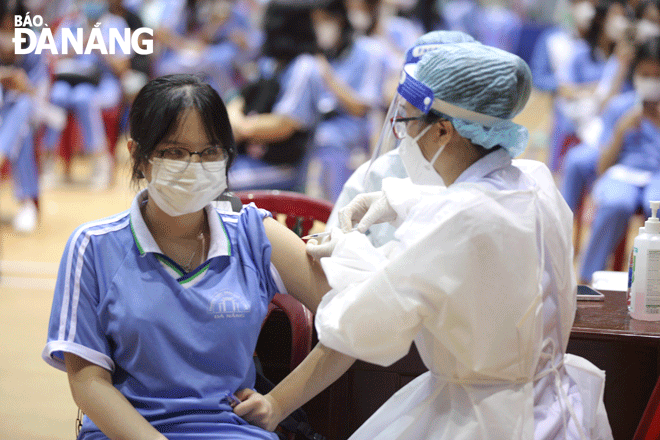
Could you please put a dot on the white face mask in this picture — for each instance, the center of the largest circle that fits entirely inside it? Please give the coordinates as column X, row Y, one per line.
column 420, row 170
column 648, row 89
column 583, row 13
column 183, row 192
column 360, row 20
column 327, row 35
column 616, row 27
column 646, row 29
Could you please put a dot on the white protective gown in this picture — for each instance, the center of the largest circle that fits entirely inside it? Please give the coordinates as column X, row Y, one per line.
column 481, row 279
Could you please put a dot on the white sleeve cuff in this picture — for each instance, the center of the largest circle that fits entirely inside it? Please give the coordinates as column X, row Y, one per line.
column 278, row 279
column 53, row 350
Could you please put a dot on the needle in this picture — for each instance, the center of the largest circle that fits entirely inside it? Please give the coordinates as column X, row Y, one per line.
column 323, row 234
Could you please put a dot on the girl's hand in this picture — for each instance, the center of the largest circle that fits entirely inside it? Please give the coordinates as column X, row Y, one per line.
column 257, row 409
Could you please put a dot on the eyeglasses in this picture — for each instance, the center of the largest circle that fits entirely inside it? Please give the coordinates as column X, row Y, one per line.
column 399, row 125
column 182, row 156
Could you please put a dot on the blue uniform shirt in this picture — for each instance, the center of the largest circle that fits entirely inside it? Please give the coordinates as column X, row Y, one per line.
column 615, row 110
column 175, row 343
column 583, row 68
column 641, row 147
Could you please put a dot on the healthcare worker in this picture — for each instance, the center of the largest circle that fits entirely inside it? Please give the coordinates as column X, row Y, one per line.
column 369, row 176
column 481, row 277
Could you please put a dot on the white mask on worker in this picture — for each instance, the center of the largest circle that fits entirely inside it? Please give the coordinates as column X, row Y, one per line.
column 183, row 192
column 420, row 170
column 648, row 89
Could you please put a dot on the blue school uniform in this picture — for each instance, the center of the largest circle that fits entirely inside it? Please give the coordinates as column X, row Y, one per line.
column 628, row 185
column 87, row 100
column 339, row 136
column 581, row 161
column 16, row 129
column 221, row 59
column 176, row 343
column 296, row 99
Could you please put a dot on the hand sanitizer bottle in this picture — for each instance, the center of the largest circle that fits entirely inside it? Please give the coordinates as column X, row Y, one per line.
column 645, row 285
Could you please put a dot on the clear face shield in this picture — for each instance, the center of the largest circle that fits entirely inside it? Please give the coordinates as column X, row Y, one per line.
column 409, row 111
column 414, row 108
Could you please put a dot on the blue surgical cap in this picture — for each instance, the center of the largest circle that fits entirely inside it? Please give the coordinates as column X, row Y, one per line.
column 481, row 79
column 443, row 37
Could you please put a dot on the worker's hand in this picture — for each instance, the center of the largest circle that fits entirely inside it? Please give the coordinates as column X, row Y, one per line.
column 366, row 209
column 257, row 409
column 324, row 249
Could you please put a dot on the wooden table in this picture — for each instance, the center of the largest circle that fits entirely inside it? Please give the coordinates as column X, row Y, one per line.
column 628, row 350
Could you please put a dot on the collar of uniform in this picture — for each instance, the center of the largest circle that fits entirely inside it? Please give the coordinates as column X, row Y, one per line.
column 493, row 161
column 220, row 245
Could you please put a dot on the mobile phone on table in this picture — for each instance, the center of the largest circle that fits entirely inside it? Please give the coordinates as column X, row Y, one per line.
column 586, row 293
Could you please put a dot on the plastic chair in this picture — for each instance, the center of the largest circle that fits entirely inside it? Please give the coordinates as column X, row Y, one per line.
column 620, row 260
column 649, row 425
column 70, row 141
column 300, row 210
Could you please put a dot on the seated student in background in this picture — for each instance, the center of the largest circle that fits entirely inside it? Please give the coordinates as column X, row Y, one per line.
column 628, row 164
column 554, row 49
column 273, row 117
column 369, row 176
column 352, row 74
column 139, row 70
column 86, row 84
column 597, row 71
column 481, row 277
column 157, row 309
column 23, row 81
column 213, row 37
column 580, row 163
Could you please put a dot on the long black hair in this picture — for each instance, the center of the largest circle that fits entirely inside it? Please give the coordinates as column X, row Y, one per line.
column 338, row 8
column 288, row 30
column 647, row 51
column 157, row 109
column 597, row 28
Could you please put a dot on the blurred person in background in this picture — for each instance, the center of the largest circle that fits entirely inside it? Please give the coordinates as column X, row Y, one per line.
column 461, row 15
column 580, row 163
column 378, row 19
column 628, row 161
column 23, row 84
column 86, row 84
column 213, row 37
column 597, row 71
column 647, row 14
column 352, row 74
column 139, row 71
column 555, row 47
column 499, row 26
column 273, row 116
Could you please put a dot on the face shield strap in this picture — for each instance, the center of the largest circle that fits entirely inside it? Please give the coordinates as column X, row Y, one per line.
column 415, row 92
column 415, row 53
column 422, row 97
column 454, row 111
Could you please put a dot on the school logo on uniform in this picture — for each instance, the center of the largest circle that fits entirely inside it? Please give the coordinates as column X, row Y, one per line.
column 229, row 305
